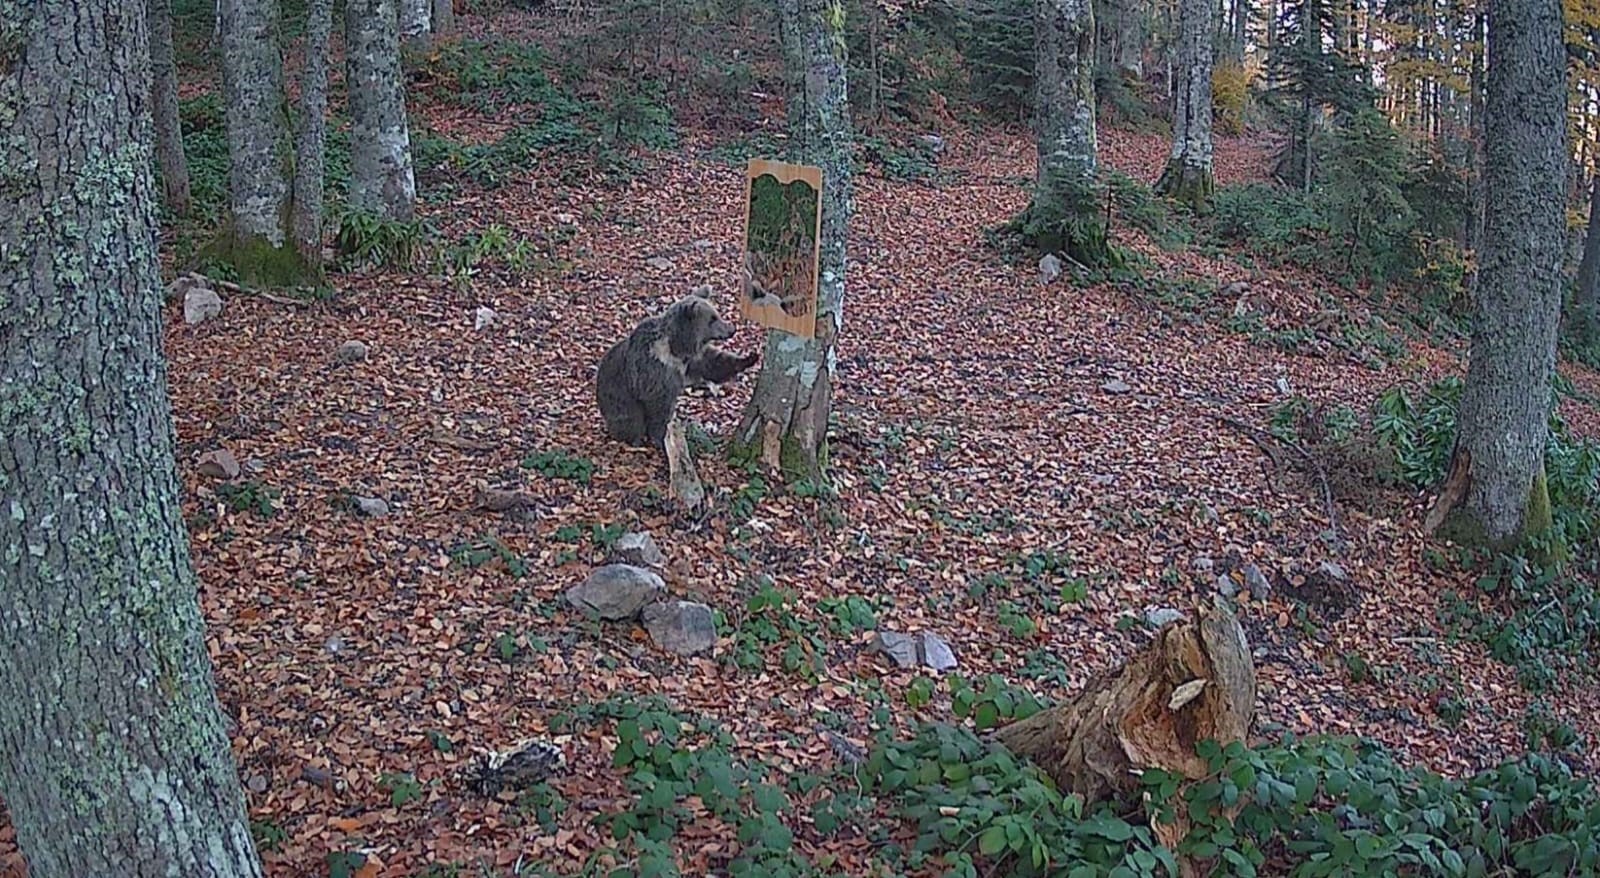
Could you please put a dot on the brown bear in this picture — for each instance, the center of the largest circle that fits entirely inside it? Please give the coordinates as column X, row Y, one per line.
column 641, row 377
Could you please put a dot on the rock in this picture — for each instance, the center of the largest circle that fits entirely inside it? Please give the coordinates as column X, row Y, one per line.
column 1203, row 564
column 1333, row 570
column 616, row 591
column 1282, row 384
column 638, row 549
column 1117, row 386
column 200, row 304
column 255, row 466
column 566, row 219
column 257, row 783
column 900, row 648
column 1226, row 586
column 703, row 244
column 219, row 464
column 1236, row 289
column 932, row 143
column 372, row 507
column 1049, row 269
column 659, row 263
column 351, row 352
column 334, row 645
column 680, row 627
column 483, row 317
column 1260, row 587
column 936, row 654
column 1159, row 616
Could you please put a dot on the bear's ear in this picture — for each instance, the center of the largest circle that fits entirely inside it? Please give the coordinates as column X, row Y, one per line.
column 702, row 292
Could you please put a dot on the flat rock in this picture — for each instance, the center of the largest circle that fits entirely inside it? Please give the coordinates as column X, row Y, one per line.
column 616, row 591
column 680, row 627
column 483, row 317
column 659, row 263
column 351, row 352
column 900, row 648
column 1116, row 385
column 1226, row 586
column 372, row 507
column 639, row 549
column 200, row 304
column 219, row 464
column 936, row 654
column 1049, row 269
column 1156, row 617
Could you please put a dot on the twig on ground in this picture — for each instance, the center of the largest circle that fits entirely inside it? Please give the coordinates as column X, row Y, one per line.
column 242, row 290
column 1257, row 435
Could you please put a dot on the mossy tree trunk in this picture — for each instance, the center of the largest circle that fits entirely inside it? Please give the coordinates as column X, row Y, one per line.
column 310, row 139
column 114, row 759
column 256, row 241
column 1194, row 682
column 416, row 22
column 1496, row 494
column 1584, row 321
column 1188, row 177
column 1065, row 214
column 164, row 108
column 381, row 181
column 786, row 423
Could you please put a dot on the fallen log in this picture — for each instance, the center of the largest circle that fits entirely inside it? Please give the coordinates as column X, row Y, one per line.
column 1194, row 681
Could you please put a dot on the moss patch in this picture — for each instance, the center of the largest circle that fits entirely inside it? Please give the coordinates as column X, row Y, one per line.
column 256, row 262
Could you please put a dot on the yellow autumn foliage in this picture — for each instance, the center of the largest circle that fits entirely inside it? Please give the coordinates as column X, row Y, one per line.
column 1230, row 89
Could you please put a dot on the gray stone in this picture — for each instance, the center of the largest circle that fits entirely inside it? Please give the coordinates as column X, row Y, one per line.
column 352, row 351
column 1333, row 570
column 703, row 244
column 483, row 317
column 932, row 143
column 680, row 627
column 1282, row 384
column 638, row 548
column 616, row 591
column 372, row 507
column 936, row 654
column 1226, row 586
column 1203, row 564
column 900, row 648
column 1156, row 617
column 200, row 304
column 1049, row 269
column 659, row 263
column 1116, row 385
column 1260, row 587
column 219, row 464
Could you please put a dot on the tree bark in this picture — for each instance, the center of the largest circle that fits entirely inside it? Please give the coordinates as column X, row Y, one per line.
column 114, row 759
column 786, row 423
column 164, row 108
column 1195, row 681
column 416, row 22
column 1499, row 494
column 1585, row 320
column 1065, row 213
column 444, row 20
column 1188, row 176
column 310, row 140
column 381, row 181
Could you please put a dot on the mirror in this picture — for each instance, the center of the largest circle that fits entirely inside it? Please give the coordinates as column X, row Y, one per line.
column 782, row 245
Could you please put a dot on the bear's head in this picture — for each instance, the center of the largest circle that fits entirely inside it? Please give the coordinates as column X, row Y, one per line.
column 692, row 323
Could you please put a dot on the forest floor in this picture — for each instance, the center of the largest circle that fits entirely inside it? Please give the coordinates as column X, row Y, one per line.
column 981, row 464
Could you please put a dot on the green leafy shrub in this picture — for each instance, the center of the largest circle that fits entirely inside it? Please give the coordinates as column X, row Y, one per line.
column 367, row 239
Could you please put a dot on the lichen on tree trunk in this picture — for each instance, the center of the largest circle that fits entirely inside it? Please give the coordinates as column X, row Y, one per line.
column 256, row 240
column 381, row 177
column 1498, row 491
column 1188, row 176
column 114, row 759
column 786, row 423
column 1065, row 213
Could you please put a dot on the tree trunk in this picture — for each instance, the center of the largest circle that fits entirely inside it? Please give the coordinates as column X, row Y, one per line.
column 164, row 108
column 1065, row 214
column 444, row 20
column 1194, row 681
column 1188, row 177
column 1585, row 319
column 114, row 759
column 256, row 240
column 381, row 182
column 786, row 423
column 309, row 141
column 1475, row 106
column 415, row 22
column 1496, row 494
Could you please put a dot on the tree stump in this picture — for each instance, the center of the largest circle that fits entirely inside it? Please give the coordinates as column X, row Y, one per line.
column 1195, row 681
column 682, row 479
